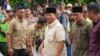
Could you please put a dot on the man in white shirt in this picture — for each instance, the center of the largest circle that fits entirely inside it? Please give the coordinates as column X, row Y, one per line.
column 53, row 44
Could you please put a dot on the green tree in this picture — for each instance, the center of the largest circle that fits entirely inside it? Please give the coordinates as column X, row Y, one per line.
column 41, row 2
column 14, row 3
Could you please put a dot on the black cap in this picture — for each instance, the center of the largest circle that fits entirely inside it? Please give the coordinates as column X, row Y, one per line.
column 77, row 9
column 50, row 10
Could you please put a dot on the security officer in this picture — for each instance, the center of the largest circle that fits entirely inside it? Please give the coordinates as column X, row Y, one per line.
column 16, row 34
column 80, row 32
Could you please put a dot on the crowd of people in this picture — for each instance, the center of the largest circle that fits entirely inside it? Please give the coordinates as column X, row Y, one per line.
column 52, row 30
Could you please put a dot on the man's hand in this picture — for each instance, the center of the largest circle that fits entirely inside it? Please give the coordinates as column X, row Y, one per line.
column 31, row 54
column 10, row 51
column 29, row 51
column 60, row 47
column 40, row 49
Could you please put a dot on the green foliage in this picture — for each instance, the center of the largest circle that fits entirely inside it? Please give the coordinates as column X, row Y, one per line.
column 14, row 3
column 41, row 2
column 75, row 1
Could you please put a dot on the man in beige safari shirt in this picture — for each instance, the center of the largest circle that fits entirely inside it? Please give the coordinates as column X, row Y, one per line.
column 16, row 35
column 53, row 44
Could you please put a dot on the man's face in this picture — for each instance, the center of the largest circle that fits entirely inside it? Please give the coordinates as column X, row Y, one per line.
column 90, row 15
column 27, row 12
column 58, row 11
column 85, row 14
column 77, row 16
column 21, row 12
column 50, row 17
column 10, row 13
column 39, row 26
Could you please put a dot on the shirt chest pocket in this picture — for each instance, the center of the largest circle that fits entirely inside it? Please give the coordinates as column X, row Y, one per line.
column 20, row 28
column 83, row 32
column 49, row 37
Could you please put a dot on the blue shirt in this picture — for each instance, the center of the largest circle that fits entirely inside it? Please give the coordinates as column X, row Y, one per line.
column 63, row 20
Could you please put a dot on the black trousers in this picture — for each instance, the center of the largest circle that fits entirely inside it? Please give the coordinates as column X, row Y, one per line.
column 19, row 52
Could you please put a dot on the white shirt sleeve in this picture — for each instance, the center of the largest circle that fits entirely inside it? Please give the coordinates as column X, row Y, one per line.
column 60, row 34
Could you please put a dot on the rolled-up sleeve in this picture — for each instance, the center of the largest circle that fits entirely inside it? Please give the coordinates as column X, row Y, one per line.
column 31, row 33
column 11, row 27
column 60, row 34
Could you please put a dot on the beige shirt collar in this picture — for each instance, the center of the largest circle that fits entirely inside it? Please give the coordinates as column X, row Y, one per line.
column 20, row 20
column 52, row 24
